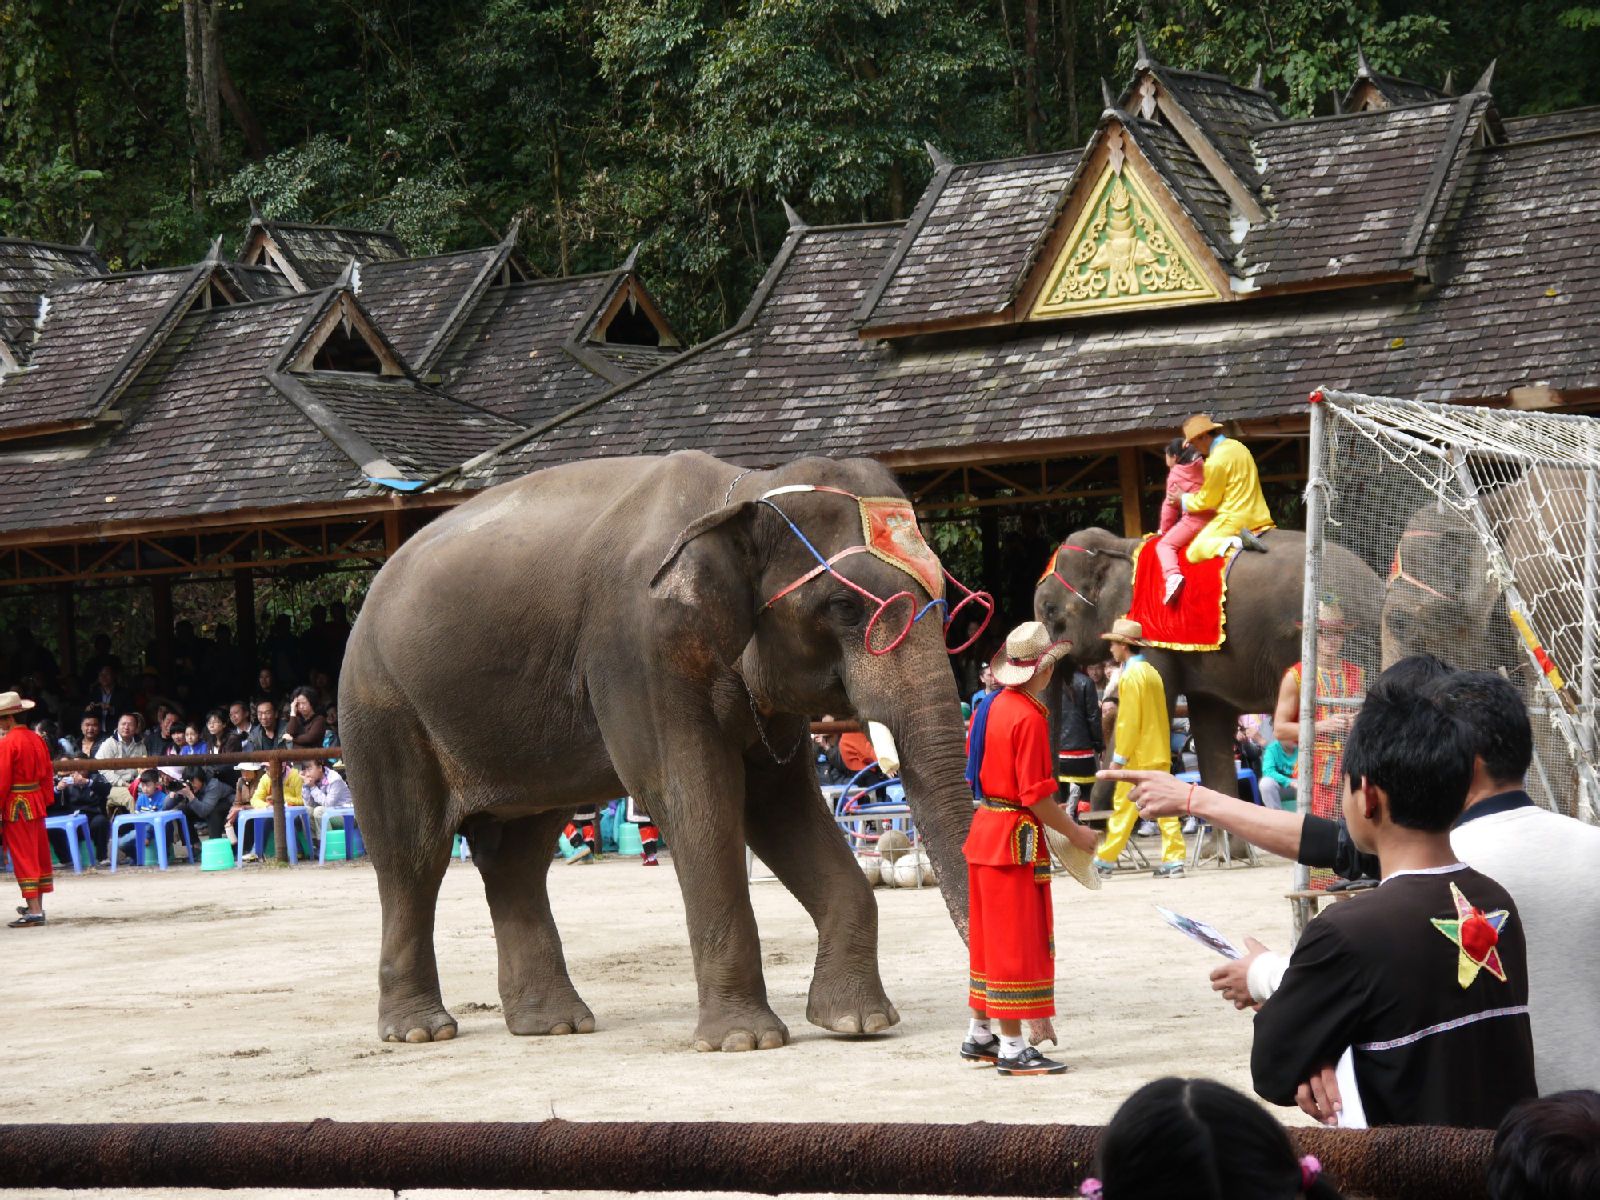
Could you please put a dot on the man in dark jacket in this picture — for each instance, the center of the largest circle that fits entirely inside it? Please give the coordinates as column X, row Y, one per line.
column 1079, row 738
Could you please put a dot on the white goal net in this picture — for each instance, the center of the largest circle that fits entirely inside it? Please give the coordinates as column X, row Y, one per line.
column 1481, row 527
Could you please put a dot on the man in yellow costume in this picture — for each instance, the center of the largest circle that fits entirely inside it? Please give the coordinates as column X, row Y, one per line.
column 1143, row 742
column 1231, row 490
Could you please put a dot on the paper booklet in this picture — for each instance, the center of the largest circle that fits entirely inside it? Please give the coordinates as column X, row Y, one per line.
column 1206, row 935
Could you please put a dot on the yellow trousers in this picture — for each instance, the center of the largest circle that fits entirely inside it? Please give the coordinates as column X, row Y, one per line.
column 1124, row 816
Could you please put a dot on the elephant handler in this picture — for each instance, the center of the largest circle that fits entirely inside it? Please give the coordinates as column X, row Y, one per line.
column 1231, row 489
column 1142, row 742
column 27, row 789
column 1011, row 922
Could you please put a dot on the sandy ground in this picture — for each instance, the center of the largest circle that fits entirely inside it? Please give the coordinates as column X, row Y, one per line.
column 251, row 995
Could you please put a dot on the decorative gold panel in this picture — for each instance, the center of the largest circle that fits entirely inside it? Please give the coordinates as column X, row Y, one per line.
column 1122, row 254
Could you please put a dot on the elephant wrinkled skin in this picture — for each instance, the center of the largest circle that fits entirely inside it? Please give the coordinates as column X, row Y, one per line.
column 598, row 629
column 1264, row 608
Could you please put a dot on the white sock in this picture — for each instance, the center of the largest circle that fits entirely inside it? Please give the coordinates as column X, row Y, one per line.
column 979, row 1031
column 1011, row 1047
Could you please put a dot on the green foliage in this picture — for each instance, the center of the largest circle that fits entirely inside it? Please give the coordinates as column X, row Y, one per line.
column 675, row 124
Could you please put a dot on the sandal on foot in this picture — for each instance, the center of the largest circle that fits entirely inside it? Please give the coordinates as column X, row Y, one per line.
column 26, row 921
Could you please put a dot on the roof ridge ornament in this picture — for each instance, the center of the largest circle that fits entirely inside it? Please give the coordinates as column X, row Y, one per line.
column 632, row 261
column 1257, row 79
column 87, row 240
column 796, row 221
column 350, row 277
column 1363, row 67
column 935, row 155
column 1109, row 101
column 513, row 231
column 1449, row 88
column 1486, row 78
column 255, row 213
column 1142, row 52
column 1338, row 104
column 214, row 255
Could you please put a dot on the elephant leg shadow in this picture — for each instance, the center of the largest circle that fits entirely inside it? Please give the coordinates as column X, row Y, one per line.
column 513, row 857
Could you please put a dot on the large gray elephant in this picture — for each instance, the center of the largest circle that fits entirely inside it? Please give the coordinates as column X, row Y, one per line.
column 616, row 627
column 1091, row 585
column 1440, row 600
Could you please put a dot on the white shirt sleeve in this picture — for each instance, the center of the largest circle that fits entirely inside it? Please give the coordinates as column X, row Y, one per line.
column 1266, row 973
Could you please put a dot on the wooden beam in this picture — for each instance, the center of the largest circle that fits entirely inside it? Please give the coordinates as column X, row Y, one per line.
column 392, row 536
column 1128, row 475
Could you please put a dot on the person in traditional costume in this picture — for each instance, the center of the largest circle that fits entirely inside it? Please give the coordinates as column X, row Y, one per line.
column 27, row 789
column 583, row 835
column 649, row 834
column 1011, row 940
column 1142, row 742
column 1230, row 490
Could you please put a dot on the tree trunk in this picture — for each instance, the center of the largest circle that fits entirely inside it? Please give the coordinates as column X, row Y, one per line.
column 191, row 94
column 561, row 215
column 210, row 56
column 255, row 138
column 1030, row 72
column 1069, row 55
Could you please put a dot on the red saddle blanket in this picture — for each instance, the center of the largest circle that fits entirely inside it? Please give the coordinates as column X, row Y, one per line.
column 1199, row 618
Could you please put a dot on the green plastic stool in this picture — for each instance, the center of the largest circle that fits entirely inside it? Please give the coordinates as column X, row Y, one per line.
column 628, row 840
column 333, row 844
column 216, row 854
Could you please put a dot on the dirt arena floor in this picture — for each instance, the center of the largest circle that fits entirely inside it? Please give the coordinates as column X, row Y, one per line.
column 251, row 995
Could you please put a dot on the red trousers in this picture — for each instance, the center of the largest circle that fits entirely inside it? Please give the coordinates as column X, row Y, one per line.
column 29, row 849
column 1011, row 943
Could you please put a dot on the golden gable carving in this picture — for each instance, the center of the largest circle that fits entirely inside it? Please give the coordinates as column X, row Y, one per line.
column 1121, row 254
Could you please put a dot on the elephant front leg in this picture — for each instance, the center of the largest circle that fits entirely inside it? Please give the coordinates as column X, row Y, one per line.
column 536, row 994
column 1214, row 724
column 793, row 832
column 705, row 830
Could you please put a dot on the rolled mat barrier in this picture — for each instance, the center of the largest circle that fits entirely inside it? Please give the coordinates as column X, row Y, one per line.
column 1417, row 1163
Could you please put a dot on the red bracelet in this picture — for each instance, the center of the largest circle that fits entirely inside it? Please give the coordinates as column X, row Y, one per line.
column 1188, row 804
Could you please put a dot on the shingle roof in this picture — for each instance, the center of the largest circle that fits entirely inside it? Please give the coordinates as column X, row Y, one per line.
column 1397, row 91
column 27, row 269
column 320, row 253
column 972, row 237
column 1225, row 112
column 413, row 298
column 96, row 332
column 1195, row 188
column 256, row 283
column 1345, row 192
column 796, row 380
column 1556, row 124
column 510, row 354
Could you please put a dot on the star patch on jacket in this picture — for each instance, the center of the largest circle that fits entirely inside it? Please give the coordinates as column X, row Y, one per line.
column 1477, row 933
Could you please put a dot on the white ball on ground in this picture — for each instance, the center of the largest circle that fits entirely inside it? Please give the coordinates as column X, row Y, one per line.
column 892, row 844
column 872, row 868
column 911, row 867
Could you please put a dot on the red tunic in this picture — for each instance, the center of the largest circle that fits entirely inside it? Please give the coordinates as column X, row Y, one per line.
column 27, row 789
column 1016, row 772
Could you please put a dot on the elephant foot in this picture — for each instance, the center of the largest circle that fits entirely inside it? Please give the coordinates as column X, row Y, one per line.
column 853, row 1011
column 551, row 1018
column 752, row 1029
column 428, row 1025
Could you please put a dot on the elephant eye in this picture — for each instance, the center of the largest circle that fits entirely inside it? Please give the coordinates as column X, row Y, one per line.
column 846, row 607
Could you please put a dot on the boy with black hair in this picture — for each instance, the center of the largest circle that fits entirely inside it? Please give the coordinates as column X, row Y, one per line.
column 1423, row 979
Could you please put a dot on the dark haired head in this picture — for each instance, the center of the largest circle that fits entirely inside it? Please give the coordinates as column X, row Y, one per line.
column 1548, row 1149
column 1408, row 744
column 1412, row 674
column 310, row 693
column 151, row 776
column 1496, row 718
column 1198, row 1138
column 193, row 774
column 1181, row 451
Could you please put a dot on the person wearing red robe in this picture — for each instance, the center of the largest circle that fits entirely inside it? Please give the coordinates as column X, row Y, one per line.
column 1010, row 935
column 27, row 789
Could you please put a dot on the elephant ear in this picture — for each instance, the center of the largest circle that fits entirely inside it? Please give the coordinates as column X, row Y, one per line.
column 729, row 515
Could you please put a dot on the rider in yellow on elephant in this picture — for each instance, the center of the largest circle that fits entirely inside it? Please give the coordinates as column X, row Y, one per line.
column 1231, row 489
column 1143, row 742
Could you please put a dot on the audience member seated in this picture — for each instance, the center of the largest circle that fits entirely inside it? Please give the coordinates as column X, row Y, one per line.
column 263, row 735
column 1277, row 776
column 260, row 778
column 1548, row 1149
column 165, row 736
column 77, row 792
column 108, row 699
column 306, row 725
column 204, row 799
column 151, row 797
column 1201, row 1140
column 124, row 743
column 323, row 788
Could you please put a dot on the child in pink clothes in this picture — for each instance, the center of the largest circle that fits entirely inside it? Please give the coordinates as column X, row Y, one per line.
column 1185, row 472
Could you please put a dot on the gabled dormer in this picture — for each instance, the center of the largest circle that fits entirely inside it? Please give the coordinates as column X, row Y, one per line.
column 310, row 257
column 1374, row 89
column 340, row 336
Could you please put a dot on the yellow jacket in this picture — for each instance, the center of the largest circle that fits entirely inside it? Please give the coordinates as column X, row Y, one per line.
column 291, row 790
column 1144, row 735
column 1232, row 489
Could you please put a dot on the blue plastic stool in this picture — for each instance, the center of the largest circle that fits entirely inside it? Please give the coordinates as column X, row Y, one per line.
column 147, row 826
column 353, row 845
column 76, row 826
column 296, row 819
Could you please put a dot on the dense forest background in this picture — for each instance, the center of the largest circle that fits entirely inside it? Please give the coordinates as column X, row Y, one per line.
column 678, row 124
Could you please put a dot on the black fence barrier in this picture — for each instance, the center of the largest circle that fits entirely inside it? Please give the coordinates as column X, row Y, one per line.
column 981, row 1159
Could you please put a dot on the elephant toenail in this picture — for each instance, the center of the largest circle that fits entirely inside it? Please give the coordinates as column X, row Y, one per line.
column 876, row 1023
column 444, row 1033
column 418, row 1035
column 771, row 1040
column 585, row 1024
column 703, row 1046
column 560, row 1027
column 740, row 1039
column 847, row 1024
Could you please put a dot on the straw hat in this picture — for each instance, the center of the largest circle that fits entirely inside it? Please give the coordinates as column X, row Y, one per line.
column 1028, row 650
column 1129, row 633
column 1196, row 425
column 248, row 767
column 1330, row 617
column 11, row 703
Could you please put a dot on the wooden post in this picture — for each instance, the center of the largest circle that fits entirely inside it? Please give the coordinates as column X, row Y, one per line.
column 1130, row 477
column 67, row 630
column 161, row 594
column 280, row 818
column 244, row 620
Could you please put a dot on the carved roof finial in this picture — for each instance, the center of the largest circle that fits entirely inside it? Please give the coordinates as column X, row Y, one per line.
column 255, row 213
column 796, row 221
column 1363, row 67
column 1338, row 104
column 1109, row 101
column 513, row 231
column 87, row 241
column 215, row 253
column 350, row 277
column 1449, row 88
column 1257, row 79
column 632, row 260
column 1486, row 78
column 935, row 156
column 1142, row 51
column 388, row 224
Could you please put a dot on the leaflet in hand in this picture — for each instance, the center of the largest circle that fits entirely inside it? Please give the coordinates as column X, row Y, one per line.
column 1206, row 935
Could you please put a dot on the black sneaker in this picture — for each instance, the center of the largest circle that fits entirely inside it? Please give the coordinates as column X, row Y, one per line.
column 983, row 1052
column 1030, row 1062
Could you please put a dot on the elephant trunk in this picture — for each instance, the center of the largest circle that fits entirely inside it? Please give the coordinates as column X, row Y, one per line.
column 932, row 744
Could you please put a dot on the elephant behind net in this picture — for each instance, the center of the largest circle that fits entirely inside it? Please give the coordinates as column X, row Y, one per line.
column 1478, row 519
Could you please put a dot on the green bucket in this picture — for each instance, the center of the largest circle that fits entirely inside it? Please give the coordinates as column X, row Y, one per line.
column 333, row 844
column 216, row 854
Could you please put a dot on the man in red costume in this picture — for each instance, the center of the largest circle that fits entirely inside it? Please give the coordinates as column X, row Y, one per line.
column 1010, row 933
column 27, row 788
